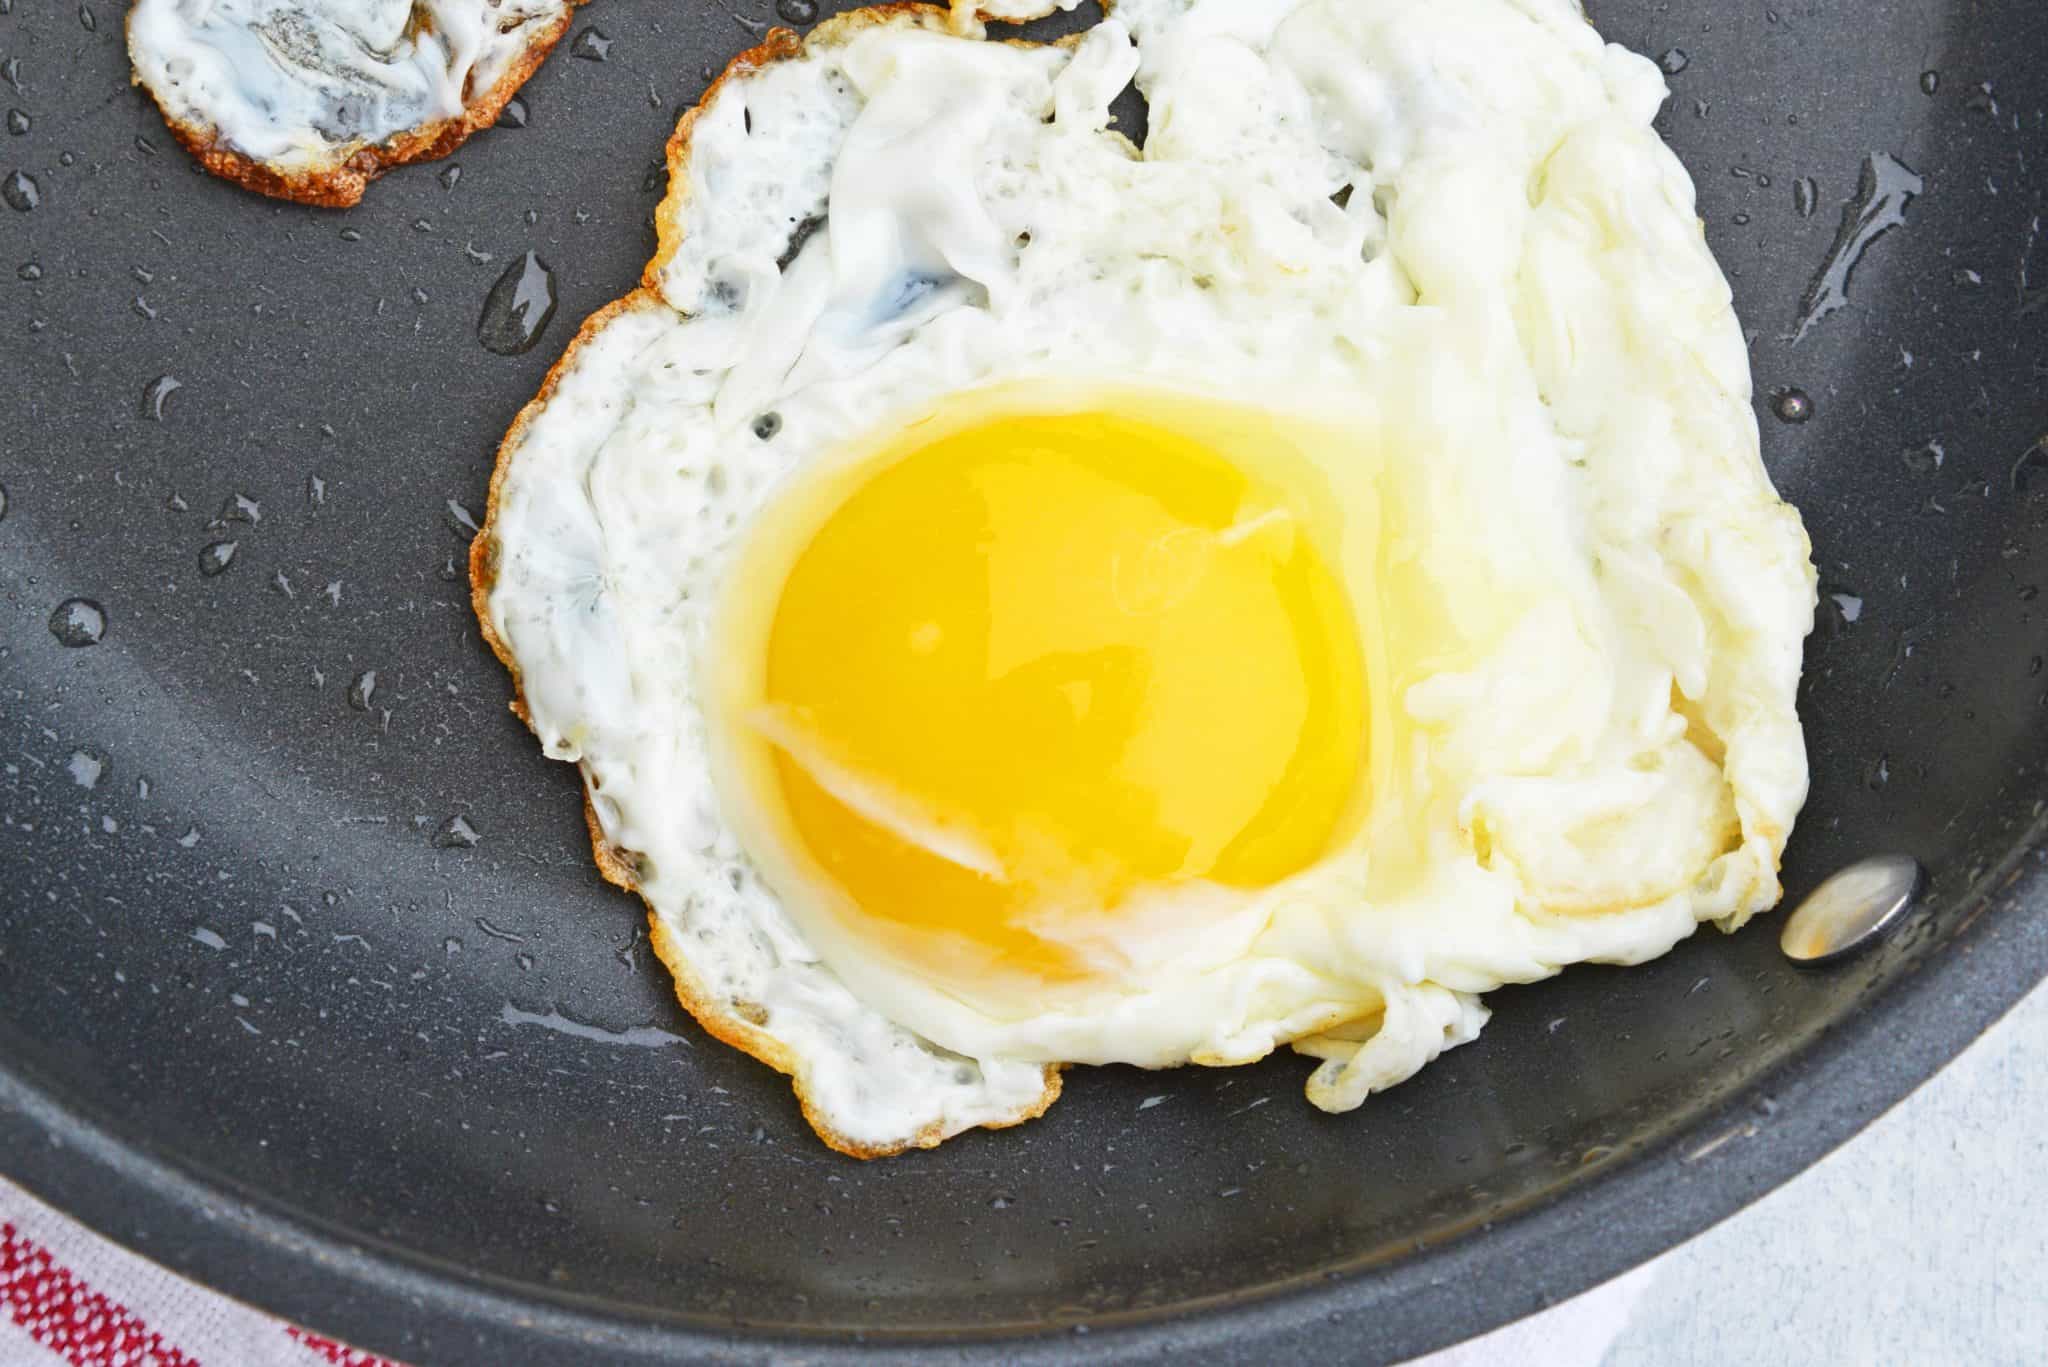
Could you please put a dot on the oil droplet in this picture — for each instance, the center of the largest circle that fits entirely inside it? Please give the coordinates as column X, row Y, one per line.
column 1930, row 81
column 591, row 45
column 797, row 11
column 1792, row 405
column 217, row 557
column 85, row 17
column 460, row 520
column 157, row 394
column 361, row 689
column 78, row 622
column 21, row 192
column 1886, row 188
column 456, row 834
column 1925, row 458
column 518, row 307
column 1674, row 61
column 29, row 270
column 514, row 114
column 236, row 508
column 1805, row 196
column 18, row 122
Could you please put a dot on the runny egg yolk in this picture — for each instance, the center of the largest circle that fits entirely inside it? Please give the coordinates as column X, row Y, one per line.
column 1039, row 662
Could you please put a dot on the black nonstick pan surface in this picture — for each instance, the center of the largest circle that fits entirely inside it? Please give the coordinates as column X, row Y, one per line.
column 308, row 987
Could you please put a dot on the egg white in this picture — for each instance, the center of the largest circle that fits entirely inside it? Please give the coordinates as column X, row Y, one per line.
column 1443, row 225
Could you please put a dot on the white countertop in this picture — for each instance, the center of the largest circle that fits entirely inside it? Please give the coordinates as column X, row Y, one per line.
column 1922, row 1240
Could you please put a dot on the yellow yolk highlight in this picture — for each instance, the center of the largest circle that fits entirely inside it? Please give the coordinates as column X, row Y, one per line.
column 1035, row 663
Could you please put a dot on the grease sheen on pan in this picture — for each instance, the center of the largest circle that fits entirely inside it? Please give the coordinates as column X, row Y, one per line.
column 1275, row 585
column 311, row 99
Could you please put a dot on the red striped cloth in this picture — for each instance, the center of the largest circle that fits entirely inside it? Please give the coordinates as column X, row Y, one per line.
column 69, row 1296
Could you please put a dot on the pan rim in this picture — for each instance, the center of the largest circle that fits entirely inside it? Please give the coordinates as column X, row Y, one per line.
column 1624, row 1211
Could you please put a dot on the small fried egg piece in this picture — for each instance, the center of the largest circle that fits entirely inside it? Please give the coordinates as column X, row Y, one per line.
column 312, row 99
column 1018, row 599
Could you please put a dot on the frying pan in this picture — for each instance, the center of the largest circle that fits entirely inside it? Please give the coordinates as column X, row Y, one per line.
column 272, row 1016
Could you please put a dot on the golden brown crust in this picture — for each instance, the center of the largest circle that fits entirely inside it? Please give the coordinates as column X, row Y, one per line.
column 618, row 866
column 342, row 185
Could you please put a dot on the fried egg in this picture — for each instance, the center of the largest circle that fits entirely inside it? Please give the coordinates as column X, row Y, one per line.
column 1020, row 599
column 312, row 99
